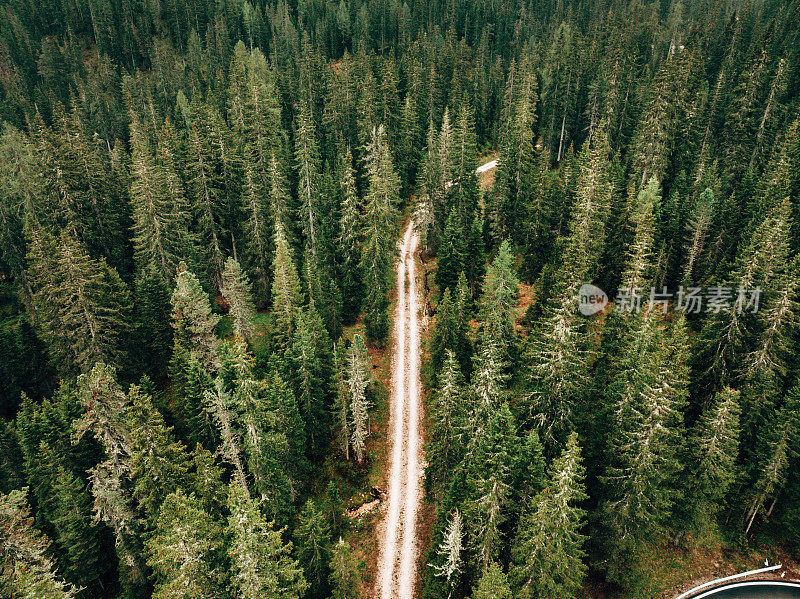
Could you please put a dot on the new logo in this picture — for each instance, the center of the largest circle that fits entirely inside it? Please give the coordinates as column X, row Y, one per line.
column 591, row 299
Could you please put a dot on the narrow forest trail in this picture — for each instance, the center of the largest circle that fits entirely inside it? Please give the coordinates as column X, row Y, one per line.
column 397, row 561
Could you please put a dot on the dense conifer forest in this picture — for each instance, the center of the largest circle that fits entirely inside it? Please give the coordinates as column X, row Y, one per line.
column 200, row 204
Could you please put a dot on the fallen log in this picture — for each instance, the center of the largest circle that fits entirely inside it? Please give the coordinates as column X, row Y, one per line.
column 364, row 509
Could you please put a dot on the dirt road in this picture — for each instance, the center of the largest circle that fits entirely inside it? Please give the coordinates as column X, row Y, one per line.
column 397, row 561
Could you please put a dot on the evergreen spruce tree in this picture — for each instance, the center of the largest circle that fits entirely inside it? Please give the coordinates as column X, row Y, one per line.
column 192, row 420
column 488, row 466
column 256, row 231
column 77, row 538
column 313, row 548
column 340, row 108
column 587, row 227
column 463, row 191
column 499, row 297
column 488, row 386
column 11, row 458
column 206, row 185
column 514, row 177
column 18, row 182
column 27, row 570
column 322, row 289
column 220, row 405
column 438, row 174
column 310, row 379
column 451, row 549
column 660, row 120
column 192, row 319
column 548, row 552
column 540, row 213
column 271, row 425
column 106, row 411
column 432, row 197
column 82, row 305
column 80, row 193
column 107, row 417
column 715, row 448
column 380, row 225
column 341, row 406
column 169, row 158
column 290, row 422
column 368, row 115
column 308, row 171
column 262, row 565
column 558, row 370
column 159, row 219
column 152, row 337
column 159, row 465
column 647, row 398
column 285, row 287
column 184, row 551
column 345, row 580
column 279, row 199
column 237, row 293
column 771, row 468
column 493, row 584
column 207, row 482
column 451, row 254
column 761, row 265
column 446, row 442
column 475, row 257
column 450, row 332
column 334, row 508
column 114, row 505
column 357, row 383
column 409, row 146
column 531, row 472
column 697, row 231
column 639, row 272
column 350, row 229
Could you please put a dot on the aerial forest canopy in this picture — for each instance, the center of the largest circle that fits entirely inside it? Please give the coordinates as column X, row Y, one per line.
column 200, row 204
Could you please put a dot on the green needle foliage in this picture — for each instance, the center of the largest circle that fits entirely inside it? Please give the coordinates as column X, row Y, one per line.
column 200, row 210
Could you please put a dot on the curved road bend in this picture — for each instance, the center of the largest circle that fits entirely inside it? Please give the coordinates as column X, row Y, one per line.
column 397, row 561
column 755, row 590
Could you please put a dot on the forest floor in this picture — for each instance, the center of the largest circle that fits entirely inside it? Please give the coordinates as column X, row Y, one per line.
column 486, row 170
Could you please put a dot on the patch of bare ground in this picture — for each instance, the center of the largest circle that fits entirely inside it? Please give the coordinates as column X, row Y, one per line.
column 486, row 178
column 526, row 297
